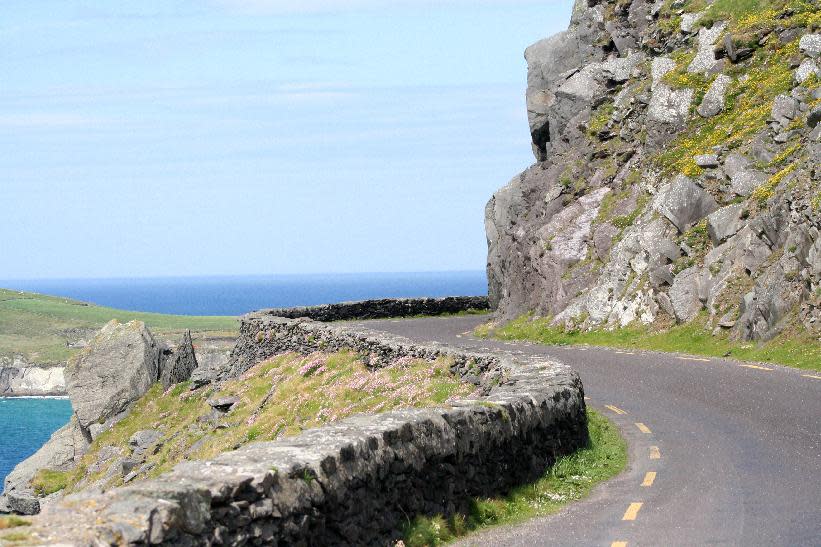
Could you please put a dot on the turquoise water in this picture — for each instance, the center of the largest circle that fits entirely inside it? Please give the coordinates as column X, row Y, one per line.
column 25, row 424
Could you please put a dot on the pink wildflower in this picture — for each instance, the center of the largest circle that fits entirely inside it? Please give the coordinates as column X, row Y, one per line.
column 314, row 365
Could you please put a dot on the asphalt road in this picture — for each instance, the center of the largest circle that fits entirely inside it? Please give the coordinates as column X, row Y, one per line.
column 735, row 448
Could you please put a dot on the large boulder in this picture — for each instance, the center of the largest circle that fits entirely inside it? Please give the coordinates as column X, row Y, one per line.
column 810, row 45
column 784, row 110
column 114, row 370
column 684, row 294
column 743, row 178
column 117, row 368
column 705, row 59
column 713, row 101
column 670, row 106
column 683, row 202
column 725, row 222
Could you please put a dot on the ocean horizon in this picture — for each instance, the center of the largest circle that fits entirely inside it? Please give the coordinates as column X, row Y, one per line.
column 237, row 295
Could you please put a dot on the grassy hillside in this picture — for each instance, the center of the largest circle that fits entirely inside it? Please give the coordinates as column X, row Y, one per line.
column 40, row 327
column 279, row 397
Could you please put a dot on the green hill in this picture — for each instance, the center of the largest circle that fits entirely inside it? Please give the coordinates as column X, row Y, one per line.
column 42, row 329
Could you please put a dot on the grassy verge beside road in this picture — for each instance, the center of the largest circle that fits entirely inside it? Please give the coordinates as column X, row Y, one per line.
column 794, row 347
column 40, row 328
column 571, row 478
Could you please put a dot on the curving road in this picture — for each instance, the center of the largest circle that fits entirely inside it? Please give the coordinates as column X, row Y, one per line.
column 736, row 448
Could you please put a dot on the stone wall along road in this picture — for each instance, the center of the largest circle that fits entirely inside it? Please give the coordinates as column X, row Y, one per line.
column 353, row 482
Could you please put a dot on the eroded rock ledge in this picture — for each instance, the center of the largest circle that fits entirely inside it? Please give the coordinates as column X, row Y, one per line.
column 353, row 482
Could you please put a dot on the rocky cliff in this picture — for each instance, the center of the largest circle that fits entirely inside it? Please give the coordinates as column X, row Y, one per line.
column 103, row 381
column 22, row 380
column 677, row 170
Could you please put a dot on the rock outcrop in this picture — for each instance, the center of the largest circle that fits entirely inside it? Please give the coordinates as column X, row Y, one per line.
column 177, row 364
column 114, row 370
column 118, row 367
column 677, row 173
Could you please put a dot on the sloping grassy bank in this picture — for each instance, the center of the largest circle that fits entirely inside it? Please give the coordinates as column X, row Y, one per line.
column 794, row 347
column 275, row 398
column 40, row 328
column 570, row 479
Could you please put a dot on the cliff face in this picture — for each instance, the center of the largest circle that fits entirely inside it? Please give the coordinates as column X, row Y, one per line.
column 32, row 381
column 677, row 149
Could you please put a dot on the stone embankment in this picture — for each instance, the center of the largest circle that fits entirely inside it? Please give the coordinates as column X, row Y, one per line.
column 353, row 482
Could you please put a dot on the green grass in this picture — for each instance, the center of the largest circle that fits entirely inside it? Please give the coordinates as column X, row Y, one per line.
column 571, row 478
column 9, row 530
column 279, row 397
column 34, row 326
column 47, row 481
column 12, row 522
column 794, row 348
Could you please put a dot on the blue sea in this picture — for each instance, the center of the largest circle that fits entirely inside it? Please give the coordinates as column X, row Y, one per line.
column 25, row 424
column 239, row 295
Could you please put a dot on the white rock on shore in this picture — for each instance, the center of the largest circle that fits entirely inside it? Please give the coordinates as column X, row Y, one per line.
column 32, row 381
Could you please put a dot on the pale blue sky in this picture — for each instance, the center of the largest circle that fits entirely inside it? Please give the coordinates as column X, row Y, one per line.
column 160, row 138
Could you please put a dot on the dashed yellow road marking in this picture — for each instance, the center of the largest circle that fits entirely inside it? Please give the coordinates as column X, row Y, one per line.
column 615, row 409
column 655, row 453
column 649, row 478
column 756, row 367
column 693, row 359
column 619, row 544
column 813, row 376
column 643, row 428
column 632, row 511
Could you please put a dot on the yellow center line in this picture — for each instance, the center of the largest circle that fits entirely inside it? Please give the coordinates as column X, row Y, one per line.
column 615, row 409
column 632, row 511
column 756, row 367
column 643, row 428
column 619, row 544
column 649, row 478
column 655, row 453
column 694, row 359
column 813, row 376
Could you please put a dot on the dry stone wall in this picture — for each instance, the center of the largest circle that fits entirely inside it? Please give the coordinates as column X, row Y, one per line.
column 353, row 482
column 382, row 308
